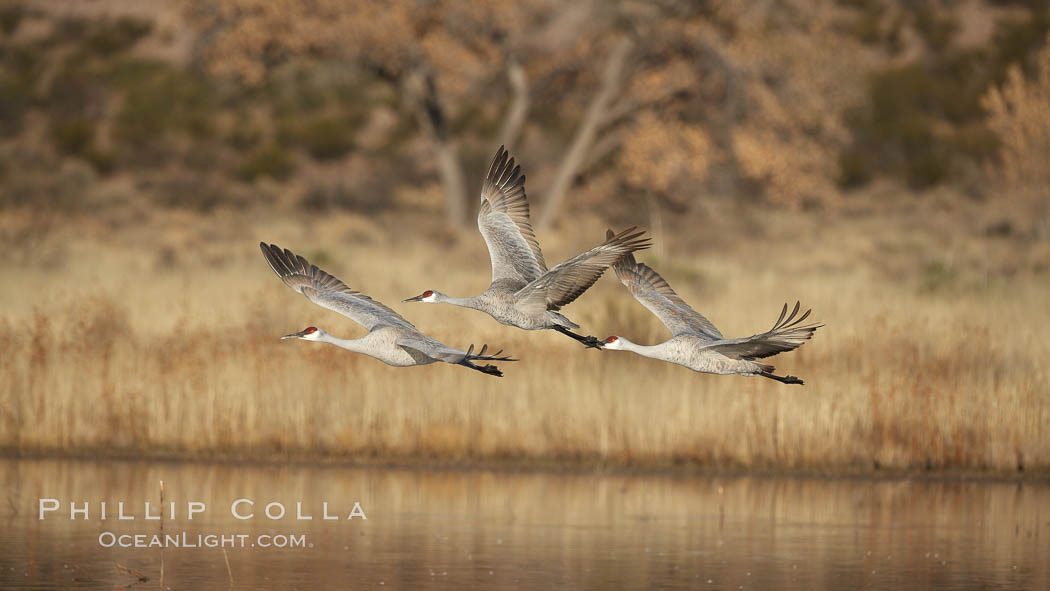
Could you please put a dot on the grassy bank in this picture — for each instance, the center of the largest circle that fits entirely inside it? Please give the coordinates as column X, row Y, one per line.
column 159, row 338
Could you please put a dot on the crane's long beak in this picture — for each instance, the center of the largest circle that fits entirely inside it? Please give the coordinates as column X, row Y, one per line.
column 294, row 335
column 415, row 299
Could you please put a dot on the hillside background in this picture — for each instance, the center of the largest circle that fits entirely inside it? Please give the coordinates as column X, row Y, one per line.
column 888, row 163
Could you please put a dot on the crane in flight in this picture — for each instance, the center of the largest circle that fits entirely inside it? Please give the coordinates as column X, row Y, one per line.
column 523, row 292
column 390, row 339
column 695, row 342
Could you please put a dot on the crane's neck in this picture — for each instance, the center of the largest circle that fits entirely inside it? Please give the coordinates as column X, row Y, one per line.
column 355, row 345
column 471, row 302
column 654, row 351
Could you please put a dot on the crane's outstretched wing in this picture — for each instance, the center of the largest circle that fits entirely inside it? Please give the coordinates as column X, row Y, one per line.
column 787, row 334
column 653, row 292
column 504, row 224
column 566, row 281
column 327, row 291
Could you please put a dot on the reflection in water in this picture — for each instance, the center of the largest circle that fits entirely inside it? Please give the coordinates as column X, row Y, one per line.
column 509, row 530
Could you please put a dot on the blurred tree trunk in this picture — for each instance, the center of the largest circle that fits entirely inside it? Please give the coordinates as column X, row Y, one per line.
column 593, row 118
column 519, row 106
column 422, row 92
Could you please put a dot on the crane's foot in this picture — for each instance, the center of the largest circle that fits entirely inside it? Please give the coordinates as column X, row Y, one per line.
column 490, row 369
column 587, row 341
column 593, row 343
column 782, row 379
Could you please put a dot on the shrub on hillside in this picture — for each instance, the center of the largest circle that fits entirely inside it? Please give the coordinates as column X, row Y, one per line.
column 1019, row 115
column 923, row 121
column 270, row 160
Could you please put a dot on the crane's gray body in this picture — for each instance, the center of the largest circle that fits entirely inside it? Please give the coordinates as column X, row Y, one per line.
column 399, row 347
column 501, row 301
column 524, row 292
column 695, row 342
column 390, row 339
column 700, row 355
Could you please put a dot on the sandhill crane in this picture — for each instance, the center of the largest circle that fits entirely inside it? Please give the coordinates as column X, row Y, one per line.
column 523, row 292
column 695, row 342
column 390, row 339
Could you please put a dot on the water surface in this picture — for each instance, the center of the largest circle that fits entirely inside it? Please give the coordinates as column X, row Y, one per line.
column 515, row 530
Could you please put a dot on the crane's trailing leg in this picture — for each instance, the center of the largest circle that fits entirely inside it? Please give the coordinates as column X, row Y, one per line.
column 491, row 370
column 782, row 379
column 589, row 342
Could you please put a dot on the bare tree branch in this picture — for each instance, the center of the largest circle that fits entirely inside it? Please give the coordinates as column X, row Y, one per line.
column 587, row 131
column 601, row 148
column 422, row 92
column 519, row 106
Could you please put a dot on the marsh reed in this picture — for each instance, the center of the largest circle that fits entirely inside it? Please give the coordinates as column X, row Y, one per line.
column 132, row 350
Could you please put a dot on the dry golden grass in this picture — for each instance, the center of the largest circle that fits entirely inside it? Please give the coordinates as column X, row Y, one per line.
column 160, row 338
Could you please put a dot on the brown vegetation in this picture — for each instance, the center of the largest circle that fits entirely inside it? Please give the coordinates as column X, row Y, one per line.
column 785, row 103
column 161, row 338
column 1019, row 114
column 834, row 152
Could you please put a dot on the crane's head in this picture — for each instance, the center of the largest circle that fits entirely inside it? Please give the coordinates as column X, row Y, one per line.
column 310, row 333
column 613, row 342
column 429, row 296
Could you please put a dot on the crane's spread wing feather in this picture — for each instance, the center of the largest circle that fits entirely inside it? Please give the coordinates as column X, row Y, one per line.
column 328, row 292
column 566, row 281
column 652, row 291
column 504, row 224
column 787, row 334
